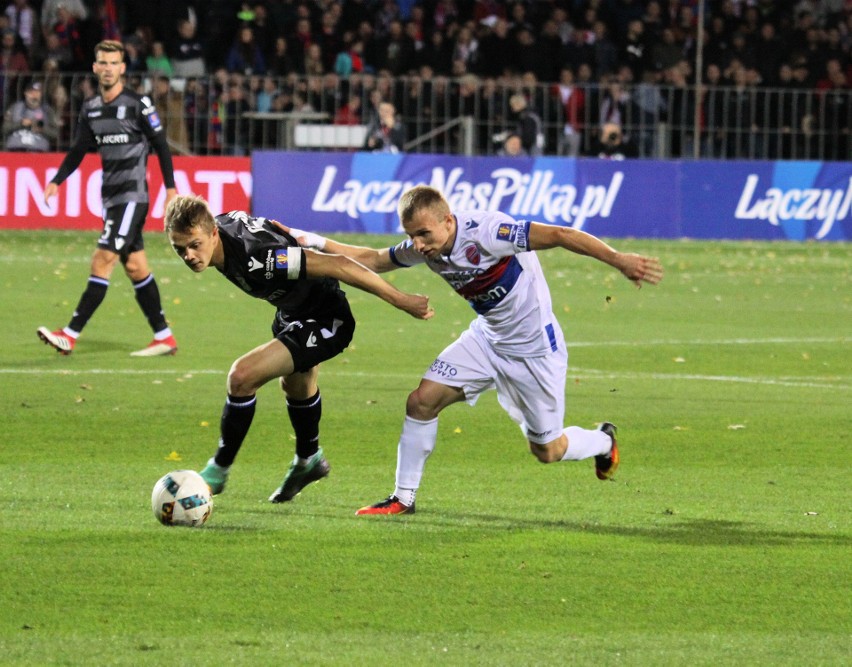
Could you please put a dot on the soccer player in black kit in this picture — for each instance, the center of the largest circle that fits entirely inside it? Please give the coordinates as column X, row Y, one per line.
column 121, row 125
column 312, row 323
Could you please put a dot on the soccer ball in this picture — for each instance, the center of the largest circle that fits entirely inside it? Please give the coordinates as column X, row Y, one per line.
column 182, row 498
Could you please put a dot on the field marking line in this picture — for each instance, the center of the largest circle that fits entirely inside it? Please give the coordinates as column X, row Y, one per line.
column 583, row 373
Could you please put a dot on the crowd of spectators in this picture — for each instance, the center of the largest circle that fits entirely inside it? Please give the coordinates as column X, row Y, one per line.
column 234, row 57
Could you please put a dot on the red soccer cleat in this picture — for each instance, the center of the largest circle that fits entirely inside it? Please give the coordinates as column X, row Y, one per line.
column 390, row 505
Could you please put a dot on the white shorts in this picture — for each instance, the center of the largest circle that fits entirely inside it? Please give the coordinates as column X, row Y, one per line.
column 530, row 389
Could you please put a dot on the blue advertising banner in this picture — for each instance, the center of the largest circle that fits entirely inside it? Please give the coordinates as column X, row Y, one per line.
column 358, row 192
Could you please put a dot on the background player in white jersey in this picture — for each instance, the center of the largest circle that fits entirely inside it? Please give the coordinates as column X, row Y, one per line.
column 121, row 125
column 312, row 323
column 515, row 345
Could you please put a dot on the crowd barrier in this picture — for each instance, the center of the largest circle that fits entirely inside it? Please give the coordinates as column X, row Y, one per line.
column 358, row 192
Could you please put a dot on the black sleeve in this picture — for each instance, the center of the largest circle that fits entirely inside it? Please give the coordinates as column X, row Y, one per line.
column 84, row 142
column 161, row 146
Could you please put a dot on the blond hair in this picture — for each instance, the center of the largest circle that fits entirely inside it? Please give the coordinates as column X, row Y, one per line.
column 109, row 46
column 419, row 197
column 187, row 212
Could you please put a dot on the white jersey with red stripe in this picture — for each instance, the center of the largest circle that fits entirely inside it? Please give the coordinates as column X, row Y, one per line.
column 492, row 267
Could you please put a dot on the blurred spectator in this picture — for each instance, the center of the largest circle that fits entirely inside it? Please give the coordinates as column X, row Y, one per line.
column 281, row 62
column 650, row 108
column 526, row 54
column 349, row 59
column 438, row 54
column 769, row 53
column 512, row 147
column 612, row 144
column 313, row 64
column 157, row 61
column 606, row 52
column 266, row 95
column 188, row 54
column 245, row 56
column 22, row 19
column 328, row 37
column 494, row 47
column 396, row 53
column 615, row 102
column 572, row 98
column 13, row 59
column 262, row 27
column 50, row 13
column 68, row 28
column 55, row 51
column 528, row 125
column 235, row 126
column 388, row 134
column 634, row 50
column 134, row 56
column 170, row 107
column 465, row 49
column 31, row 124
column 350, row 112
column 578, row 51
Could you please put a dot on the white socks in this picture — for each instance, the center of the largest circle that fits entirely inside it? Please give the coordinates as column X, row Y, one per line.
column 583, row 444
column 415, row 444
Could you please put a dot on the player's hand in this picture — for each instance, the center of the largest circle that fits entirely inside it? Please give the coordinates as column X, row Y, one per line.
column 50, row 191
column 417, row 306
column 308, row 239
column 639, row 269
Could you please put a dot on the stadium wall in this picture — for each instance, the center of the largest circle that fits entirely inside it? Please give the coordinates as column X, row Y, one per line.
column 358, row 192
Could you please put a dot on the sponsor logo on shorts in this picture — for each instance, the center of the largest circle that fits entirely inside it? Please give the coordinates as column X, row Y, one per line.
column 443, row 369
column 507, row 232
column 312, row 340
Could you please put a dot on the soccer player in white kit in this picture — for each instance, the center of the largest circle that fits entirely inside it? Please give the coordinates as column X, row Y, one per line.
column 515, row 345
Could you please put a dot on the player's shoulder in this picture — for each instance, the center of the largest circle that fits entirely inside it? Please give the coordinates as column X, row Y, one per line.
column 480, row 223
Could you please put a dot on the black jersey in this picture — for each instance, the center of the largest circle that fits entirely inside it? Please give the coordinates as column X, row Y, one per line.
column 121, row 131
column 267, row 263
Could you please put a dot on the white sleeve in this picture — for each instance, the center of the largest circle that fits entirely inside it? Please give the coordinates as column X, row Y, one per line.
column 404, row 255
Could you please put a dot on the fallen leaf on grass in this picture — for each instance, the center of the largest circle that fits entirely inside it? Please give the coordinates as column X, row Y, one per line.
column 174, row 456
column 735, row 427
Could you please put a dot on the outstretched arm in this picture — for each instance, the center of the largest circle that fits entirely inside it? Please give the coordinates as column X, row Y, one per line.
column 637, row 268
column 349, row 271
column 375, row 260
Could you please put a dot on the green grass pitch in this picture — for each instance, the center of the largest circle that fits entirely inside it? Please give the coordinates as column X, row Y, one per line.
column 724, row 540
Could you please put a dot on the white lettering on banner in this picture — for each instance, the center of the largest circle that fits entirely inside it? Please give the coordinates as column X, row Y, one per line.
column 4, row 190
column 531, row 195
column 777, row 205
column 27, row 191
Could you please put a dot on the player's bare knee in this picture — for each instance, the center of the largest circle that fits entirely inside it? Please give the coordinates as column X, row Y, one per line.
column 418, row 408
column 241, row 380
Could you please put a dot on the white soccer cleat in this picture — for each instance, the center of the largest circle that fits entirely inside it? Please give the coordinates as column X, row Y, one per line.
column 158, row 348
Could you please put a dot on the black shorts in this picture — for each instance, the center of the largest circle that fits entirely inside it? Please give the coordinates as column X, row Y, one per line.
column 324, row 334
column 123, row 228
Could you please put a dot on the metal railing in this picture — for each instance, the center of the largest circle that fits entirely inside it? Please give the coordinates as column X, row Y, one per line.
column 219, row 115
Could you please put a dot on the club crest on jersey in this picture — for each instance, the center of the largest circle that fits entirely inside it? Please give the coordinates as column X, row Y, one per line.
column 472, row 254
column 121, row 114
column 507, row 232
column 281, row 258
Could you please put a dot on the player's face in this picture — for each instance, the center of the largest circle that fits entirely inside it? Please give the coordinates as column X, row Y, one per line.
column 197, row 247
column 431, row 235
column 108, row 67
